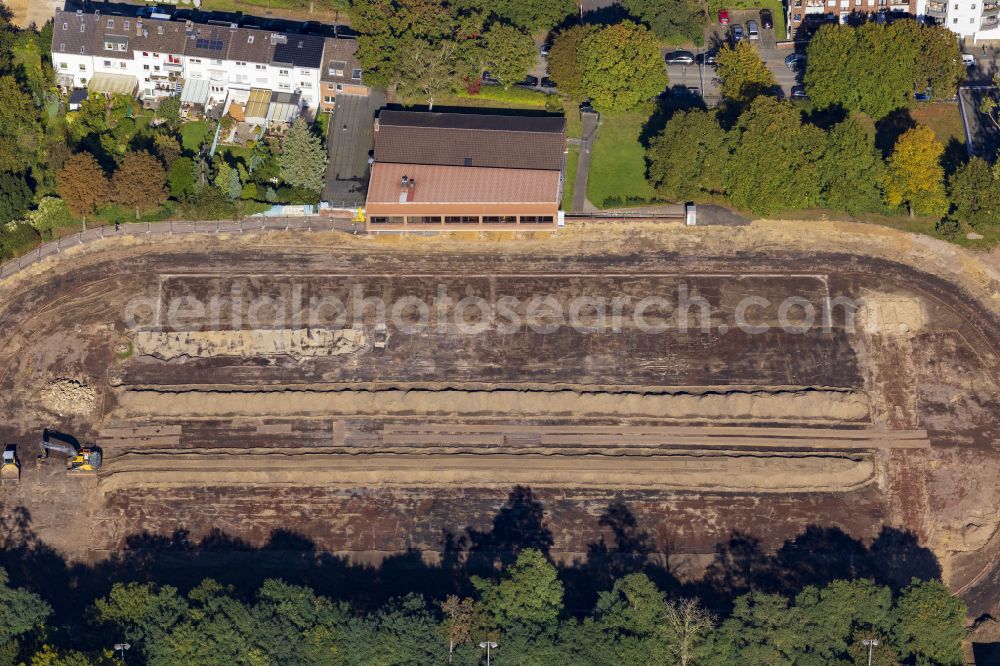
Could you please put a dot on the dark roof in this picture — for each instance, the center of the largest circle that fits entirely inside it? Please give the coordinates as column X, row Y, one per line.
column 456, row 139
column 78, row 95
column 300, row 51
column 339, row 50
column 208, row 41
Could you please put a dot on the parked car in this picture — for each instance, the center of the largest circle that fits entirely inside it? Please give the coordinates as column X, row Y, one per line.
column 736, row 33
column 795, row 60
column 753, row 33
column 529, row 82
column 679, row 58
column 968, row 60
column 586, row 107
column 708, row 57
column 766, row 19
column 545, row 50
column 489, row 80
column 547, row 82
column 723, row 17
column 923, row 95
column 799, row 92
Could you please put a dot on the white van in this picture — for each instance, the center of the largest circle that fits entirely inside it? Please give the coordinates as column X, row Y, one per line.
column 753, row 33
column 968, row 60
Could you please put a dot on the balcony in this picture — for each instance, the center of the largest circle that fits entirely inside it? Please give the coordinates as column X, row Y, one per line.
column 990, row 22
column 991, row 8
column 937, row 9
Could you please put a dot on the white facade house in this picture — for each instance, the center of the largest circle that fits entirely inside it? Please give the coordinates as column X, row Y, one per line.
column 975, row 19
column 210, row 64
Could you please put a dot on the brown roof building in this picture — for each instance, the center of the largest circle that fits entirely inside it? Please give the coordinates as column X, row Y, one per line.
column 452, row 170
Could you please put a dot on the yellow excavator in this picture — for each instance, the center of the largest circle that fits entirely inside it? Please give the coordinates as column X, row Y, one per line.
column 80, row 459
column 10, row 469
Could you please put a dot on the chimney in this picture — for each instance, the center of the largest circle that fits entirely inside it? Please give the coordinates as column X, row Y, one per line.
column 404, row 190
column 411, row 188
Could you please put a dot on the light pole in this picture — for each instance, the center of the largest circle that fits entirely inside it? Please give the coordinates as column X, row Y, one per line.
column 120, row 649
column 488, row 645
column 870, row 643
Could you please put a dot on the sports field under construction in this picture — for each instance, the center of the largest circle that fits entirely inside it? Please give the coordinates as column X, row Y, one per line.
column 714, row 381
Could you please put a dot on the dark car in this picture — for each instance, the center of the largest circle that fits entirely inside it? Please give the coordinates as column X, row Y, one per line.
column 544, row 51
column 923, row 95
column 766, row 19
column 708, row 57
column 737, row 33
column 795, row 60
column 586, row 107
column 547, row 82
column 679, row 58
column 489, row 80
column 799, row 92
column 529, row 82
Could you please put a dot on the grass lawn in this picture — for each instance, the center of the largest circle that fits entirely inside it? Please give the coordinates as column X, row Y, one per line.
column 572, row 162
column 617, row 162
column 193, row 134
column 942, row 117
column 574, row 124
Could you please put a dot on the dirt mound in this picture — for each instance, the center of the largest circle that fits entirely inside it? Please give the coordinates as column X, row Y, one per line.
column 69, row 396
column 249, row 344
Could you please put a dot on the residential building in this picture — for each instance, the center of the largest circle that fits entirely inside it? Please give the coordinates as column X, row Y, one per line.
column 800, row 13
column 207, row 64
column 973, row 19
column 456, row 170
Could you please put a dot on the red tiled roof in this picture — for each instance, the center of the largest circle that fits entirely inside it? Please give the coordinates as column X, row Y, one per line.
column 450, row 184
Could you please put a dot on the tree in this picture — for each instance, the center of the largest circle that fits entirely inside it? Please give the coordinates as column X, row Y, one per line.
column 139, row 183
column 687, row 158
column 744, row 75
column 773, row 160
column 170, row 110
column 303, row 159
column 52, row 213
column 673, row 21
column 761, row 631
column 632, row 615
column 688, row 624
column 537, row 15
column 143, row 613
column 20, row 131
column 851, row 171
column 21, row 612
column 180, row 177
column 529, row 593
column 167, row 148
column 931, row 623
column 15, row 197
column 914, row 174
column 975, row 193
column 434, row 70
column 510, row 53
column 83, row 185
column 564, row 66
column 832, row 617
column 227, row 179
column 459, row 619
column 621, row 66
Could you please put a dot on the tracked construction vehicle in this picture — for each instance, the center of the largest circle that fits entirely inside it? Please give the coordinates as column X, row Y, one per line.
column 10, row 469
column 80, row 459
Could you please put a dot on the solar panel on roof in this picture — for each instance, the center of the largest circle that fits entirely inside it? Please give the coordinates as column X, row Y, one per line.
column 209, row 44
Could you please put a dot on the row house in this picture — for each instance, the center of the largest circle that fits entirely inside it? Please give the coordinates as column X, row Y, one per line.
column 205, row 64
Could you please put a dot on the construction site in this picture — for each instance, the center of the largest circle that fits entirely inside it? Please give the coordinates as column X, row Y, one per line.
column 209, row 386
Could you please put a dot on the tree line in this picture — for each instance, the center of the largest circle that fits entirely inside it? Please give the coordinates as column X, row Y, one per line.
column 521, row 610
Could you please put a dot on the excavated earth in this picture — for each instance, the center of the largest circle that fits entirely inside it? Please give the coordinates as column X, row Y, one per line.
column 229, row 398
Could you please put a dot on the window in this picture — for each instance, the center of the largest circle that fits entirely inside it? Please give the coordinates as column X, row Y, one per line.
column 461, row 219
column 109, row 46
column 382, row 219
column 336, row 68
column 216, row 62
column 63, row 65
column 261, row 67
column 305, row 85
column 240, row 64
column 356, row 74
column 536, row 219
column 111, row 23
column 146, row 67
column 340, row 87
column 954, row 21
column 329, row 100
column 156, row 68
column 499, row 219
column 65, row 26
column 282, row 72
column 425, row 219
column 285, row 85
column 218, row 89
column 125, row 24
column 195, row 61
column 107, row 63
column 857, row 3
column 159, row 29
column 121, row 65
column 145, row 54
column 82, row 27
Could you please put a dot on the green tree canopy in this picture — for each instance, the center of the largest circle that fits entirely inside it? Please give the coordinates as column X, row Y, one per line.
column 21, row 611
column 931, row 623
column 975, row 193
column 621, row 66
column 564, row 62
column 687, row 158
column 774, row 155
column 743, row 73
column 851, row 171
column 20, row 131
column 536, row 15
column 52, row 213
column 914, row 174
column 303, row 158
column 510, row 53
column 529, row 593
column 180, row 177
column 673, row 21
column 15, row 197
